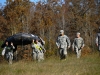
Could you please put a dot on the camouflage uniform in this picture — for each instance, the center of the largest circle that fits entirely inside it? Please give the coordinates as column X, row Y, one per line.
column 62, row 43
column 7, row 51
column 34, row 52
column 98, row 40
column 77, row 45
column 38, row 51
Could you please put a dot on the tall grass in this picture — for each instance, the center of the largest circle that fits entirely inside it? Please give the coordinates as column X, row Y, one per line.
column 86, row 65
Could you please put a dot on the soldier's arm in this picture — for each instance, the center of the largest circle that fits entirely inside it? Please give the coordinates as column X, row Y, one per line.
column 82, row 43
column 3, row 51
column 32, row 45
column 68, row 41
column 57, row 42
column 13, row 47
column 73, row 45
column 97, row 40
column 41, row 46
column 43, row 42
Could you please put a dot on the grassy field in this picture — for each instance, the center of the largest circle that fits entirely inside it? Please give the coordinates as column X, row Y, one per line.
column 86, row 65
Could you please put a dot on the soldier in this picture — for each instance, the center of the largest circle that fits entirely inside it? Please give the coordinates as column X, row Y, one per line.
column 78, row 45
column 7, row 51
column 38, row 50
column 63, row 43
column 98, row 39
column 34, row 52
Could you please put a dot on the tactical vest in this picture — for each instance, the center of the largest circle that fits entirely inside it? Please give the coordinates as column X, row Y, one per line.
column 37, row 47
column 9, row 48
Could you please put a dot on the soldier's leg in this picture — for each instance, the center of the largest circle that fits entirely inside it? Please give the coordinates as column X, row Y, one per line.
column 79, row 52
column 10, row 57
column 16, row 55
column 35, row 56
column 61, row 53
column 41, row 56
column 7, row 56
column 65, row 53
column 12, row 54
column 99, row 47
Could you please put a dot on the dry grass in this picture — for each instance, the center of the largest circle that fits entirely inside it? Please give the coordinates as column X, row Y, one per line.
column 87, row 65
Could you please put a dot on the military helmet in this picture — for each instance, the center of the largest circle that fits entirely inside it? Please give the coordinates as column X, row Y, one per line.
column 61, row 31
column 78, row 33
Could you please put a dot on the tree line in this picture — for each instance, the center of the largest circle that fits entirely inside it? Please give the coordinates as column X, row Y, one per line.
column 46, row 17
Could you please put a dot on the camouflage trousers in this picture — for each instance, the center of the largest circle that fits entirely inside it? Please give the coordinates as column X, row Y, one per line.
column 38, row 56
column 34, row 56
column 78, row 52
column 99, row 47
column 63, row 53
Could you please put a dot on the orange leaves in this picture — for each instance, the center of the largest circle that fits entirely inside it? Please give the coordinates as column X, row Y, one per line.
column 47, row 18
column 16, row 13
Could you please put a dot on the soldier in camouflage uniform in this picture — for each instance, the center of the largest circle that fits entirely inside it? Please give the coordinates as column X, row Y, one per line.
column 34, row 52
column 7, row 51
column 78, row 44
column 38, row 50
column 63, row 43
column 98, row 39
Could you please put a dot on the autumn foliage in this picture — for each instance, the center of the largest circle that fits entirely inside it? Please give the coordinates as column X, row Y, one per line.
column 47, row 17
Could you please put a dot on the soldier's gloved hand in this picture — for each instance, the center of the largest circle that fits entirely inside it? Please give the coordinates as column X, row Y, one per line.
column 82, row 47
column 72, row 49
column 68, row 47
column 58, row 47
column 44, row 51
column 97, row 45
column 11, row 43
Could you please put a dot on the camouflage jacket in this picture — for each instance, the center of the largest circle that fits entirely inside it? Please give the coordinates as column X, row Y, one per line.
column 63, row 41
column 78, row 43
column 98, row 39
